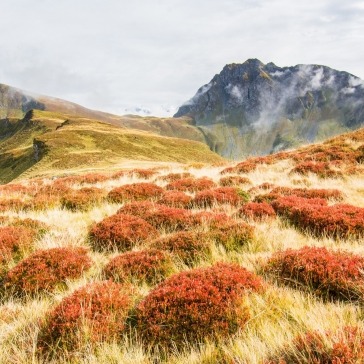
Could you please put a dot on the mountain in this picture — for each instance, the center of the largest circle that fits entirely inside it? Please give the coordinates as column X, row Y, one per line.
column 45, row 143
column 256, row 109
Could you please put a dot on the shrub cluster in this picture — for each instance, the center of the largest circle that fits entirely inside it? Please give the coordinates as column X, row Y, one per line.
column 189, row 246
column 222, row 195
column 249, row 165
column 314, row 216
column 321, row 169
column 191, row 184
column 142, row 173
column 14, row 241
column 195, row 304
column 120, row 232
column 151, row 266
column 257, row 211
column 171, row 177
column 343, row 346
column 96, row 312
column 329, row 274
column 231, row 181
column 45, row 269
column 160, row 216
column 175, row 199
column 82, row 199
column 135, row 191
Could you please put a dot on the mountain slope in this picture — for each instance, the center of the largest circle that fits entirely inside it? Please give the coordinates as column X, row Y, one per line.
column 45, row 143
column 253, row 108
column 16, row 103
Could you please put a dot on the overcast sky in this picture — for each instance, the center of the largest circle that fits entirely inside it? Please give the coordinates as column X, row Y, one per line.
column 114, row 55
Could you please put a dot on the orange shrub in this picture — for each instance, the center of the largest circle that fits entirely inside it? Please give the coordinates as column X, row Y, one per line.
column 196, row 304
column 121, row 232
column 15, row 204
column 189, row 246
column 160, row 216
column 343, row 346
column 149, row 265
column 14, row 240
column 329, row 274
column 327, row 194
column 142, row 173
column 175, row 199
column 257, row 211
column 322, row 169
column 230, row 181
column 82, row 199
column 224, row 230
column 45, row 269
column 135, row 191
column 191, row 184
column 222, row 195
column 96, row 312
column 171, row 177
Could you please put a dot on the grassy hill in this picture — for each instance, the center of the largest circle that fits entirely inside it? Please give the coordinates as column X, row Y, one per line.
column 49, row 143
column 257, row 262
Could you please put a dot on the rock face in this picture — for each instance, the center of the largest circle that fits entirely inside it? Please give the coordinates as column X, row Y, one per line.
column 255, row 108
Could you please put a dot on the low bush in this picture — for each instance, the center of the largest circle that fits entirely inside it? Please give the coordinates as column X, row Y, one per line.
column 14, row 242
column 222, row 195
column 321, row 169
column 45, row 269
column 327, row 194
column 340, row 221
column 82, row 199
column 189, row 246
column 135, row 191
column 120, row 232
column 328, row 274
column 175, row 199
column 142, row 173
column 343, row 346
column 257, row 211
column 151, row 266
column 171, row 177
column 196, row 304
column 96, row 312
column 191, row 184
column 231, row 181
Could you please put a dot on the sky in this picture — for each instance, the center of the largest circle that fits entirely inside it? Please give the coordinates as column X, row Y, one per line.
column 120, row 56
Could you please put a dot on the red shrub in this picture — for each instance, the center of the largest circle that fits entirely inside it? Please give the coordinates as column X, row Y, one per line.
column 249, row 165
column 135, row 191
column 345, row 346
column 175, row 199
column 82, row 199
column 230, row 181
column 222, row 195
column 142, row 173
column 322, row 169
column 121, row 232
column 191, row 184
column 15, row 204
column 96, row 312
column 258, row 211
column 90, row 178
column 189, row 246
column 45, row 269
column 225, row 230
column 14, row 241
column 195, row 304
column 150, row 265
column 160, row 216
column 171, row 177
column 309, row 193
column 336, row 275
column 313, row 215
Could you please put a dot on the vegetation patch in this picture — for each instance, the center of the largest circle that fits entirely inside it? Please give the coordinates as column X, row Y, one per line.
column 328, row 274
column 222, row 195
column 150, row 265
column 44, row 270
column 191, row 184
column 197, row 304
column 82, row 199
column 120, row 232
column 135, row 191
column 257, row 211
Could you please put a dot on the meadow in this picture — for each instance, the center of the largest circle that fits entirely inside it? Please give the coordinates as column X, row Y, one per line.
column 254, row 262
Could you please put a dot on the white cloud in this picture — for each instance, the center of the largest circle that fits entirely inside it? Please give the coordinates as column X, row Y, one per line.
column 114, row 54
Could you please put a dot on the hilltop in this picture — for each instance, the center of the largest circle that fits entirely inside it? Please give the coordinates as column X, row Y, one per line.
column 49, row 143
